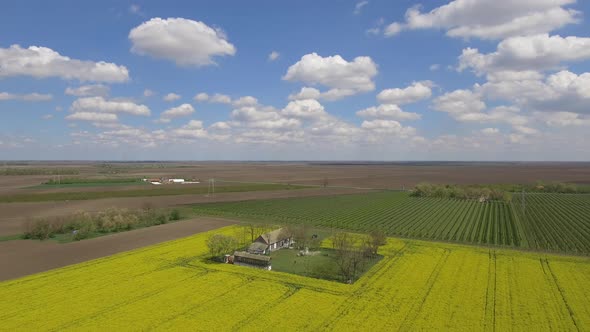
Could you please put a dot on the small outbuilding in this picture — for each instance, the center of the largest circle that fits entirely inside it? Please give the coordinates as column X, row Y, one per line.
column 252, row 260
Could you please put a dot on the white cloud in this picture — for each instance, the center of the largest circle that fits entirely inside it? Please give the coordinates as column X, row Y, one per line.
column 564, row 119
column 220, row 99
column 47, row 116
column 388, row 111
column 179, row 111
column 467, row 106
column 306, row 93
column 343, row 78
column 88, row 90
column 411, row 94
column 490, row 131
column 201, row 97
column 359, row 6
column 490, row 19
column 171, row 97
column 434, row 67
column 148, row 93
column 26, row 97
column 92, row 116
column 184, row 41
column 388, row 127
column 192, row 130
column 563, row 91
column 221, row 125
column 392, row 29
column 43, row 62
column 99, row 104
column 538, row 52
column 304, row 109
column 245, row 101
column 459, row 102
column 273, row 56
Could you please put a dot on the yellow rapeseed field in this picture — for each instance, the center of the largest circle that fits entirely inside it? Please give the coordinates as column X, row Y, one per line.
column 417, row 286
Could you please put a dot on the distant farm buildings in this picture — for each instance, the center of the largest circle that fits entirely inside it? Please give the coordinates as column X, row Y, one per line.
column 159, row 181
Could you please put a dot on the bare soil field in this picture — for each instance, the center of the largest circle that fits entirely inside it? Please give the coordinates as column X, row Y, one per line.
column 20, row 258
column 14, row 215
column 380, row 175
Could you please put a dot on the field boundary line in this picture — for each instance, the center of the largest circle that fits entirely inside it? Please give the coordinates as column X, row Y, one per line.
column 561, row 292
column 414, row 312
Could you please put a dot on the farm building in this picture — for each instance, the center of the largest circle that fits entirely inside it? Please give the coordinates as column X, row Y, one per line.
column 252, row 260
column 176, row 180
column 276, row 239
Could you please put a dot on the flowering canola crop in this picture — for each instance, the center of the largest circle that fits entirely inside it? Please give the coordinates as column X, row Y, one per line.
column 416, row 286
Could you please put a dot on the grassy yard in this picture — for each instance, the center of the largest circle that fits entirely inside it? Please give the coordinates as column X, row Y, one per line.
column 322, row 264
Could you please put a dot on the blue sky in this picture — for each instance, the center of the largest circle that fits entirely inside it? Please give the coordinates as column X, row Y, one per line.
column 383, row 80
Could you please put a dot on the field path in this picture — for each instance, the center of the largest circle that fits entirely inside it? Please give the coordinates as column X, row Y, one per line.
column 23, row 257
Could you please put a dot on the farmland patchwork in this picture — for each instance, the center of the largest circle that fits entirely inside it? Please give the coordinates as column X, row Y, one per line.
column 417, row 285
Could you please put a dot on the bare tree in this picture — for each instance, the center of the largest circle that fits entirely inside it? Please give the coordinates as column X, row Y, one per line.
column 300, row 235
column 376, row 239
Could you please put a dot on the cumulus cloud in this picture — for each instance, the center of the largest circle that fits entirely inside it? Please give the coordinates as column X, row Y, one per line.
column 343, row 78
column 43, row 62
column 490, row 19
column 26, row 97
column 201, row 97
column 184, row 41
column 562, row 91
column 273, row 56
column 564, row 119
column 245, row 101
column 537, row 52
column 411, row 94
column 467, row 106
column 148, row 93
column 88, row 90
column 179, row 111
column 490, row 131
column 388, row 111
column 192, row 130
column 380, row 126
column 306, row 93
column 100, row 104
column 92, row 116
column 304, row 109
column 171, row 97
column 220, row 99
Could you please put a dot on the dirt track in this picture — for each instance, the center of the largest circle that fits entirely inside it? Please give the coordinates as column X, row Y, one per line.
column 20, row 258
column 13, row 216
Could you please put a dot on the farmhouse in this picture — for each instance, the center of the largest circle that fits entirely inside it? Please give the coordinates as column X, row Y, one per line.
column 276, row 239
column 252, row 260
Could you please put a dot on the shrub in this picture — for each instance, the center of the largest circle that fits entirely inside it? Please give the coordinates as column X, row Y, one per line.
column 39, row 229
column 175, row 215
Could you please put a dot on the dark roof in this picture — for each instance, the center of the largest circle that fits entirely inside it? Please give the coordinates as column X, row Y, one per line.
column 258, row 246
column 244, row 254
column 274, row 236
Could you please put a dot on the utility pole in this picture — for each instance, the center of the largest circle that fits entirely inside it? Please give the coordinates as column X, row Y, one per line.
column 211, row 188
